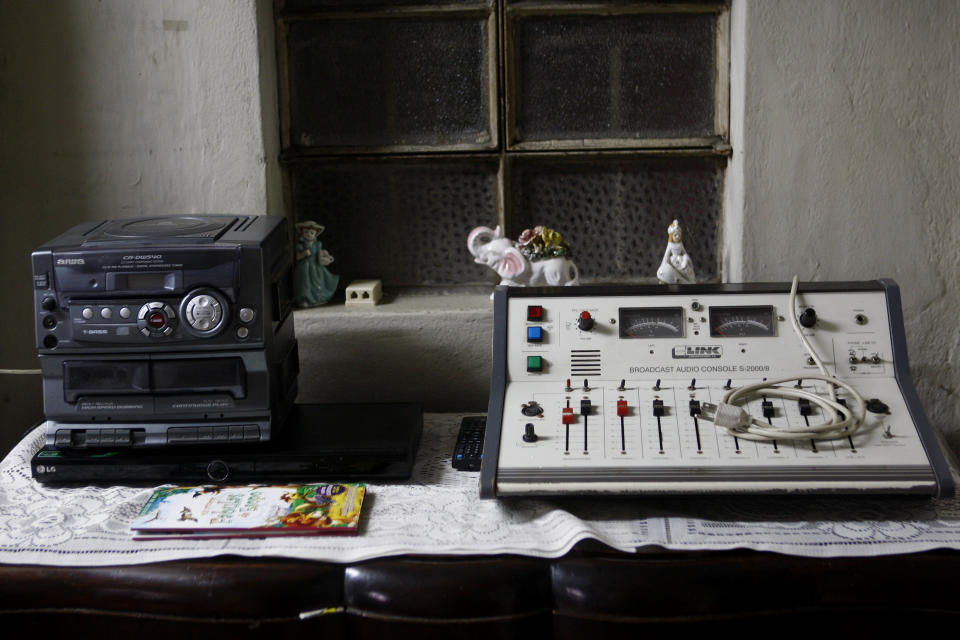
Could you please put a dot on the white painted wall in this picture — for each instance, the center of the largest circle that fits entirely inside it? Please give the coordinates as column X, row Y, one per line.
column 123, row 108
column 851, row 145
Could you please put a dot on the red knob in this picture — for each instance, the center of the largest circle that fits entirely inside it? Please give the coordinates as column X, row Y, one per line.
column 585, row 323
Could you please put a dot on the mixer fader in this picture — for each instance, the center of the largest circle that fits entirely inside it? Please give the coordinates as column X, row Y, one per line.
column 628, row 390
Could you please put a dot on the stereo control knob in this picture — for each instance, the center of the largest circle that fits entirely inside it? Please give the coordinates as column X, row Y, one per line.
column 204, row 312
column 48, row 303
column 808, row 318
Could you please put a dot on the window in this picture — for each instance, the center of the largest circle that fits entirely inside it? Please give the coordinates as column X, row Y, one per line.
column 406, row 124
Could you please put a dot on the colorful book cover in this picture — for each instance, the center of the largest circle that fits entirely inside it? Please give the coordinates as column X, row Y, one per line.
column 251, row 511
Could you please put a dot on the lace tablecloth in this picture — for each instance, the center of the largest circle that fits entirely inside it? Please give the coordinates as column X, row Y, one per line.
column 438, row 512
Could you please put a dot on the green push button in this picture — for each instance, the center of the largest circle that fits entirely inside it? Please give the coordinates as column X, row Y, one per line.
column 534, row 363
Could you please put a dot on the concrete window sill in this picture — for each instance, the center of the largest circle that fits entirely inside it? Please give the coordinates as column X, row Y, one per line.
column 416, row 346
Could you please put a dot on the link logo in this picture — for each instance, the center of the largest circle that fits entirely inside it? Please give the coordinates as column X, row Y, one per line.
column 699, row 351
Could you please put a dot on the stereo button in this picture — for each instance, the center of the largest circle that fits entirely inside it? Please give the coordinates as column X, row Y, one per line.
column 125, row 312
column 247, row 314
column 106, row 313
column 87, row 313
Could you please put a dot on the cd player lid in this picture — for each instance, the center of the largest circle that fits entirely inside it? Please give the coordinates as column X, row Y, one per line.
column 188, row 228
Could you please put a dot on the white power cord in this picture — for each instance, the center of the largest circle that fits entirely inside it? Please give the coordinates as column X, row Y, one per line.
column 843, row 421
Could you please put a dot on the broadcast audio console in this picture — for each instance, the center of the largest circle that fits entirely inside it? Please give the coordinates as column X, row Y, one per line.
column 614, row 390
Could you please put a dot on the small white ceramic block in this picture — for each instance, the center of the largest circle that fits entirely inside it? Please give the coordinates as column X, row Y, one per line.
column 365, row 292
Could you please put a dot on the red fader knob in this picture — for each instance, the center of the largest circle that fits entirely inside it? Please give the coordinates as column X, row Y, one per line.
column 567, row 416
column 622, row 409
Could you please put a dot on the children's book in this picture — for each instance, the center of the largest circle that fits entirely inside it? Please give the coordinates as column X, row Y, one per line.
column 250, row 511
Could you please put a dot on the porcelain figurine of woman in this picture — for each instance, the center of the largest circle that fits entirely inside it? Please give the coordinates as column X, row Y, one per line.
column 676, row 267
column 313, row 284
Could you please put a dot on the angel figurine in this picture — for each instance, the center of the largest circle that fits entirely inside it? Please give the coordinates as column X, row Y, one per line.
column 676, row 267
column 313, row 284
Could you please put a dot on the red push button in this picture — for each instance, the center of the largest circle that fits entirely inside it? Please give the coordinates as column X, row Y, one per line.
column 534, row 312
column 156, row 320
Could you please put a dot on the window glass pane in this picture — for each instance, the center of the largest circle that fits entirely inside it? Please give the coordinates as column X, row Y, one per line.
column 404, row 221
column 384, row 82
column 630, row 76
column 614, row 211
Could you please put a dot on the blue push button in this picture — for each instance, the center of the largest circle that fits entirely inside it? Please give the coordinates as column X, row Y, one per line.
column 534, row 334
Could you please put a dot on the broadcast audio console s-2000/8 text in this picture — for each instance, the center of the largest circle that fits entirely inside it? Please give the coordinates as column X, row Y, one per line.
column 625, row 390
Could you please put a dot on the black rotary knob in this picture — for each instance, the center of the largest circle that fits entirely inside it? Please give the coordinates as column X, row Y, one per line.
column 875, row 405
column 531, row 409
column 529, row 433
column 48, row 303
column 808, row 318
column 585, row 321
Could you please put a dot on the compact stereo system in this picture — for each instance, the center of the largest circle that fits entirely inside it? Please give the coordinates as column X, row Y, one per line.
column 168, row 354
column 705, row 389
column 166, row 331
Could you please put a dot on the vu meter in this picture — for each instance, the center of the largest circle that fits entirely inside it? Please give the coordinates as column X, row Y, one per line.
column 742, row 322
column 651, row 322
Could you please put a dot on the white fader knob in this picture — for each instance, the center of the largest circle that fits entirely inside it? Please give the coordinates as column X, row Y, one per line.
column 204, row 312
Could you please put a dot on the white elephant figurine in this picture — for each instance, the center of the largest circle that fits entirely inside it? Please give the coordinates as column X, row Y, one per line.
column 540, row 258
